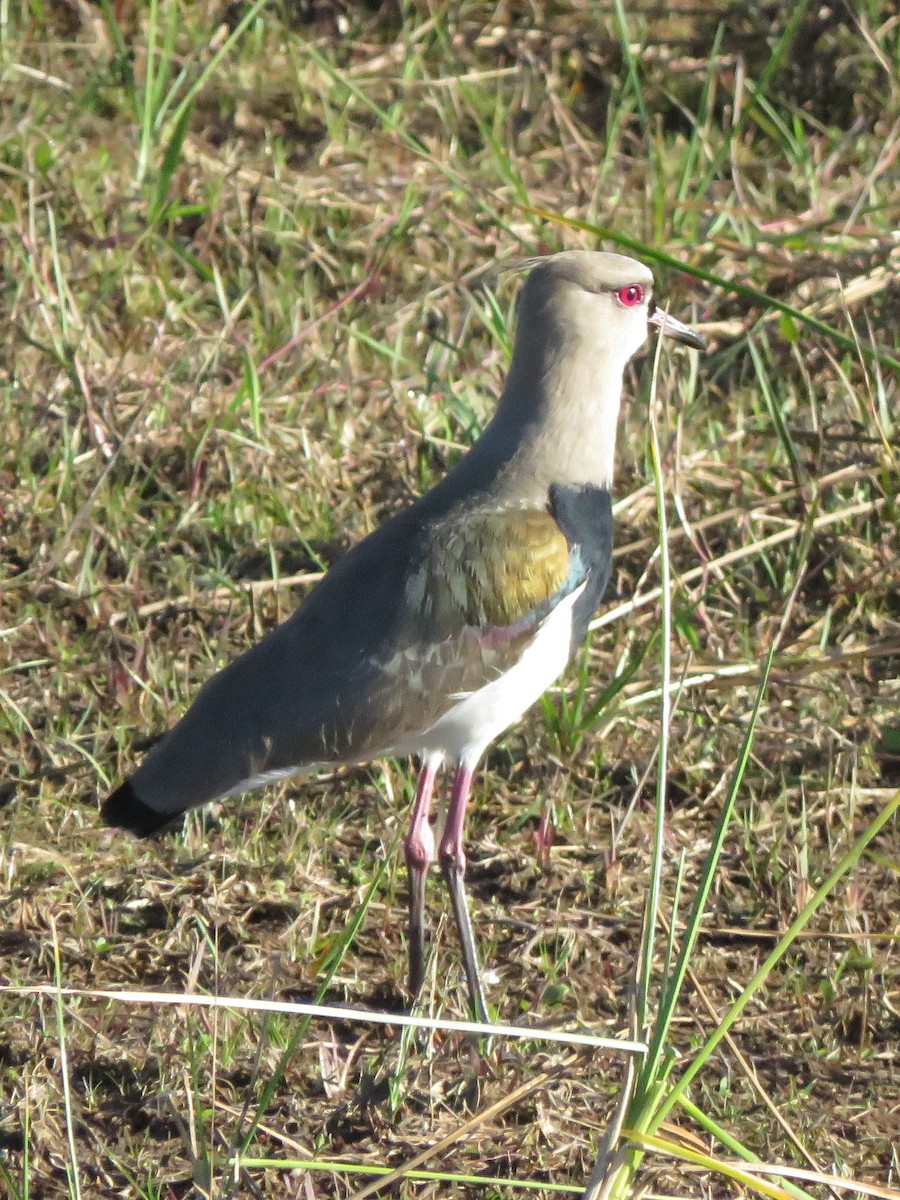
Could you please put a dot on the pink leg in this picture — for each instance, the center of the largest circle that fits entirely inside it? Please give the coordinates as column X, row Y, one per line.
column 452, row 857
column 419, row 848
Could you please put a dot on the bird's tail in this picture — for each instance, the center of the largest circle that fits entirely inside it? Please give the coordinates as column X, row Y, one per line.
column 124, row 809
column 225, row 743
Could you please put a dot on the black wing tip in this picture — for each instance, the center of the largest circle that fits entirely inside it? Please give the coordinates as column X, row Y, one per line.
column 124, row 809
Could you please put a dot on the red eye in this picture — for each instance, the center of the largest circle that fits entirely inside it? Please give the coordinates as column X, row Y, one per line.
column 631, row 295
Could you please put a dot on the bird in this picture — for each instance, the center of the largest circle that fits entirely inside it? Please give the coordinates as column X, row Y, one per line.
column 437, row 631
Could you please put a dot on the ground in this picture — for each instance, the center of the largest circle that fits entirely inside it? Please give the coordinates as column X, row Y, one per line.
column 253, row 302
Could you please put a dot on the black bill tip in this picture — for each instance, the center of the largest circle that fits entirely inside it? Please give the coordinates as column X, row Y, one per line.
column 669, row 326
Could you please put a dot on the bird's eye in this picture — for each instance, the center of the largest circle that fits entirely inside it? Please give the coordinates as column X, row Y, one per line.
column 631, row 295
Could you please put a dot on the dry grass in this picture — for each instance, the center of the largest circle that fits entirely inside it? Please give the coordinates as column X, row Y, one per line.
column 227, row 356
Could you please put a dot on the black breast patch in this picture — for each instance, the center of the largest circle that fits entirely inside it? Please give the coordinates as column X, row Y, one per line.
column 584, row 514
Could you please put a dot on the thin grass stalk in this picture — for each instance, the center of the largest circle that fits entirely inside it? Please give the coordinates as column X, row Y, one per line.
column 166, row 86
column 717, row 1166
column 227, row 45
column 608, row 1152
column 665, row 706
column 631, row 67
column 775, row 414
column 835, row 1183
column 146, row 106
column 694, row 146
column 333, row 1012
column 14, row 1192
column 610, row 1177
column 751, row 1175
column 72, row 1171
column 447, row 1177
column 669, row 958
column 213, row 1131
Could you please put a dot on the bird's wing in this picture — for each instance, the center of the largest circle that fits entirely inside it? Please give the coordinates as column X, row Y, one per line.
column 414, row 618
column 478, row 594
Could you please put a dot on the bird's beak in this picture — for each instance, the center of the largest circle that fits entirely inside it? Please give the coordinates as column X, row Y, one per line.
column 669, row 327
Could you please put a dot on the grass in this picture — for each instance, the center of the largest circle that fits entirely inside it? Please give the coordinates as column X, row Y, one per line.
column 252, row 304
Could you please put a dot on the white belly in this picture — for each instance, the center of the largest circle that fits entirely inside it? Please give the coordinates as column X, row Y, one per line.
column 479, row 717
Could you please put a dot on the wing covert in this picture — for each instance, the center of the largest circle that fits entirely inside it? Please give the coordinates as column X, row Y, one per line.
column 489, row 568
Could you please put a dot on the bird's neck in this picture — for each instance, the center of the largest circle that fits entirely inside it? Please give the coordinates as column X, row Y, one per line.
column 555, row 424
column 557, row 417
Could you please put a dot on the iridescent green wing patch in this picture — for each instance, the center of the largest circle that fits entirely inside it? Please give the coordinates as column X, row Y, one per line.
column 489, row 567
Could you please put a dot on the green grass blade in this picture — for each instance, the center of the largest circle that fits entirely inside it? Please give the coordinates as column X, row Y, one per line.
column 672, row 987
column 846, row 863
column 732, row 286
column 168, row 167
column 210, row 68
column 775, row 414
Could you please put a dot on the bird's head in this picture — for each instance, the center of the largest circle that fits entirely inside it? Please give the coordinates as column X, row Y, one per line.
column 582, row 315
column 598, row 300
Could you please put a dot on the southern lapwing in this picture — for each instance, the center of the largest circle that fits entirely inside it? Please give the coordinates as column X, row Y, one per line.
column 437, row 631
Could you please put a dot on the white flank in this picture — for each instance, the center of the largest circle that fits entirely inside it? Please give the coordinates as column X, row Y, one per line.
column 467, row 728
